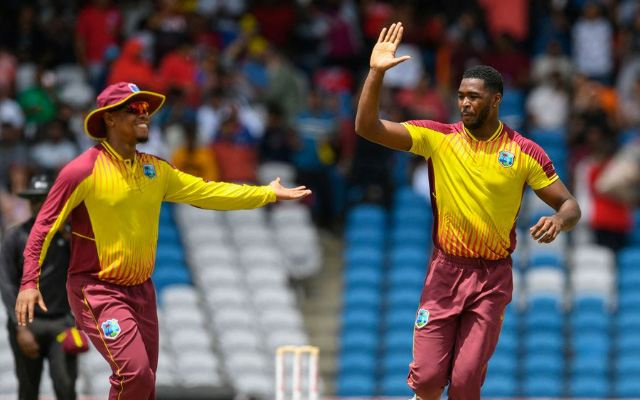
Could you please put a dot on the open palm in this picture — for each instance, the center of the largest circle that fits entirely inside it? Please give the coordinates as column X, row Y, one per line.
column 383, row 55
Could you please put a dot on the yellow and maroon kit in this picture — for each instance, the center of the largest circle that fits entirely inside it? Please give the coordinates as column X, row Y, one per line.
column 476, row 192
column 114, row 205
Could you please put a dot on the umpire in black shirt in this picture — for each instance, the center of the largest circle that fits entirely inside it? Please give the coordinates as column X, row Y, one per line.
column 33, row 343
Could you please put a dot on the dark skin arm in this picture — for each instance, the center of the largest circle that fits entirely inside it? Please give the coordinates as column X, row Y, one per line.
column 566, row 217
column 368, row 124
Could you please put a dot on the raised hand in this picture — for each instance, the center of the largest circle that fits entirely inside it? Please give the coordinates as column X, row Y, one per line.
column 383, row 55
column 283, row 193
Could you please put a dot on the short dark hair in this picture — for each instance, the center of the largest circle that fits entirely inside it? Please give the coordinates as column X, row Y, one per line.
column 492, row 78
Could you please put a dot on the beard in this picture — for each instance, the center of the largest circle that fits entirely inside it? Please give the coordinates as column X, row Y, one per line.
column 142, row 139
column 482, row 118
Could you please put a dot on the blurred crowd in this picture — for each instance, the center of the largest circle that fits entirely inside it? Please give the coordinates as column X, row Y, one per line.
column 250, row 82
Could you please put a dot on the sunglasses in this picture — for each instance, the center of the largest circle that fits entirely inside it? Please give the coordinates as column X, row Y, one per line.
column 137, row 108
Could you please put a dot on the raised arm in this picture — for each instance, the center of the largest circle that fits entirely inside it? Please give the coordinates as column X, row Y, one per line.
column 368, row 123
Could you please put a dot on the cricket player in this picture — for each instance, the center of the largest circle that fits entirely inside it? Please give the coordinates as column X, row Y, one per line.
column 478, row 170
column 113, row 195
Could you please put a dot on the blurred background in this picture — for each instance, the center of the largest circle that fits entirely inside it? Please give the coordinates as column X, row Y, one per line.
column 259, row 89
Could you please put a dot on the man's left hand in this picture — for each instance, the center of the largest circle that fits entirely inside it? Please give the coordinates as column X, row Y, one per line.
column 283, row 193
column 547, row 229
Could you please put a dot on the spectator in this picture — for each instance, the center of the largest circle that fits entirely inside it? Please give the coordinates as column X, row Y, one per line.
column 235, row 149
column 55, row 150
column 38, row 101
column 178, row 69
column 548, row 104
column 592, row 37
column 130, row 66
column 98, row 30
column 195, row 159
column 552, row 60
column 277, row 143
column 424, row 101
column 169, row 25
column 14, row 209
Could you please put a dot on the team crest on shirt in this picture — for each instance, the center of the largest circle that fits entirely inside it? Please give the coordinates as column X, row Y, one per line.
column 111, row 328
column 422, row 318
column 149, row 171
column 506, row 159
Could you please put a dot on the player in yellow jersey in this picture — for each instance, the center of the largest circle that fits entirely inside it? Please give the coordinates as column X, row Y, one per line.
column 113, row 195
column 478, row 170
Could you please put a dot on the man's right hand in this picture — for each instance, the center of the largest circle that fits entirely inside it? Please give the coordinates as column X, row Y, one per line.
column 27, row 342
column 26, row 304
column 383, row 55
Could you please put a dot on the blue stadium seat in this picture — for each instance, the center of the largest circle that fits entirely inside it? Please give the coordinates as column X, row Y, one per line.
column 543, row 363
column 507, row 343
column 359, row 340
column 169, row 253
column 548, row 137
column 589, row 365
column 629, row 258
column 165, row 277
column 367, row 236
column 544, row 343
column 503, row 364
column 629, row 301
column 628, row 387
column 356, row 384
column 627, row 366
column 408, row 255
column 166, row 214
column 403, row 276
column 396, row 362
column 357, row 361
column 357, row 276
column 543, row 385
column 367, row 215
column 591, row 343
column 589, row 387
column 361, row 298
column 584, row 321
column 414, row 217
column 629, row 280
column 398, row 340
column 406, row 196
column 509, row 323
column 543, row 303
column 628, row 342
column 168, row 234
column 593, row 303
column 546, row 258
column 628, row 321
column 399, row 297
column 499, row 386
column 360, row 318
column 364, row 255
column 411, row 235
column 395, row 385
column 535, row 321
column 403, row 317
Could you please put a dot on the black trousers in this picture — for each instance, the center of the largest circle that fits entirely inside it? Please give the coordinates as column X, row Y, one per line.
column 63, row 367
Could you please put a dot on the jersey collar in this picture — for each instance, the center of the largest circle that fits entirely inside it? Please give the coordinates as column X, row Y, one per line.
column 492, row 138
column 115, row 154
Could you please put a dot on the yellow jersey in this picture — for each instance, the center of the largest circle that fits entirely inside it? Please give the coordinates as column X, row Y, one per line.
column 477, row 186
column 114, row 207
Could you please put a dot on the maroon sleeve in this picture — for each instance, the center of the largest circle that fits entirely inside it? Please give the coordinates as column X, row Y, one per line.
column 48, row 218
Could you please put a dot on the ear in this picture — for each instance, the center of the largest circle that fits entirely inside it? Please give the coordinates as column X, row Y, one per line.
column 108, row 119
column 497, row 99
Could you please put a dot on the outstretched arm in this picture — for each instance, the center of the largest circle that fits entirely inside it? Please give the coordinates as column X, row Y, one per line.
column 283, row 193
column 566, row 217
column 368, row 124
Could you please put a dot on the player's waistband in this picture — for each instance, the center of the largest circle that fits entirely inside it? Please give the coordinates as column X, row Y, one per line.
column 467, row 262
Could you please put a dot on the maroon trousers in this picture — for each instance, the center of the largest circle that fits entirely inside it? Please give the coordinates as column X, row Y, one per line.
column 122, row 323
column 458, row 324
